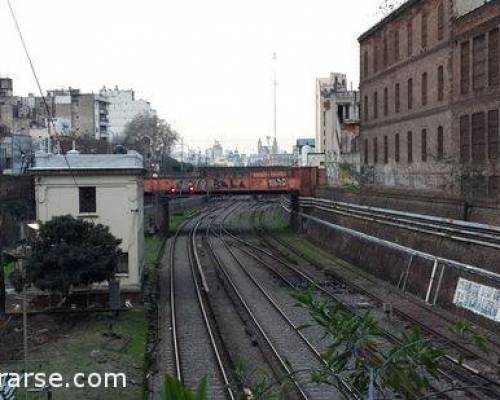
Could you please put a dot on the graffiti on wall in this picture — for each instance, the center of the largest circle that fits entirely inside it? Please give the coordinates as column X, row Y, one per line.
column 480, row 299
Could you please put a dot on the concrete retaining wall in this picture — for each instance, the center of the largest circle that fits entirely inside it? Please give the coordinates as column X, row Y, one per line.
column 412, row 274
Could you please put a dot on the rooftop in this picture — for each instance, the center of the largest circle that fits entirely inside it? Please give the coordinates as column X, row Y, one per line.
column 75, row 162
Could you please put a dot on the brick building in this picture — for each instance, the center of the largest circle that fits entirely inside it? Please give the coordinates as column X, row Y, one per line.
column 410, row 65
column 476, row 98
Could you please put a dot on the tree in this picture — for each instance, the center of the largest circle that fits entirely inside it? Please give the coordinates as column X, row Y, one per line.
column 151, row 135
column 71, row 252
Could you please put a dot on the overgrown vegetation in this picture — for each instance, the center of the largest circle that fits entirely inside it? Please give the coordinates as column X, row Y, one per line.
column 358, row 351
column 174, row 390
column 178, row 218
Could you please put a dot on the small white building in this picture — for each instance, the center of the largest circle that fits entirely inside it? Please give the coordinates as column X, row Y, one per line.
column 107, row 189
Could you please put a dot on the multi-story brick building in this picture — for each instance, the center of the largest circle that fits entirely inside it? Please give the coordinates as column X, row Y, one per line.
column 476, row 98
column 409, row 71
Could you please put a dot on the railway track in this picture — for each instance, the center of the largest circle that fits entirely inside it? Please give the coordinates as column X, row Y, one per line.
column 195, row 349
column 463, row 231
column 480, row 387
column 296, row 354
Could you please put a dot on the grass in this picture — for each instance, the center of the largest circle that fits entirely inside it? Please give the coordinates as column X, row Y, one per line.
column 8, row 270
column 96, row 343
column 152, row 248
column 275, row 223
column 178, row 218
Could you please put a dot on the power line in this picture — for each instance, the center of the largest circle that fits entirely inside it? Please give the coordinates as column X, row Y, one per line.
column 33, row 70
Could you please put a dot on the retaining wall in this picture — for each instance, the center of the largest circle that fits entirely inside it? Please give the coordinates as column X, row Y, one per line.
column 412, row 274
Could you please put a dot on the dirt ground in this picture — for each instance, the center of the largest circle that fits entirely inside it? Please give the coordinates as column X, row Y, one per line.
column 70, row 344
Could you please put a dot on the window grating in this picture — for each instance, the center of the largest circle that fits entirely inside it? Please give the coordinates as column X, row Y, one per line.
column 493, row 135
column 464, row 138
column 478, row 137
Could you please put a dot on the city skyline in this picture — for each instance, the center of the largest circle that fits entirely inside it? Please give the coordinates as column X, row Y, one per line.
column 224, row 62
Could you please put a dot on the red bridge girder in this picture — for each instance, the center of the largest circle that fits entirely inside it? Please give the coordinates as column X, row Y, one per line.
column 239, row 181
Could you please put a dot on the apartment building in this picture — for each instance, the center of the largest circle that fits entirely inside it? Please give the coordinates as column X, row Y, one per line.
column 409, row 74
column 337, row 107
column 80, row 114
column 123, row 107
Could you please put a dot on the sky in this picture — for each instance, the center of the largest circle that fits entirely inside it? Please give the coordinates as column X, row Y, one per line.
column 205, row 66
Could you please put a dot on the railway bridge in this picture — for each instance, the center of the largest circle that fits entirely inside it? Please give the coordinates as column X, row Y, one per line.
column 238, row 180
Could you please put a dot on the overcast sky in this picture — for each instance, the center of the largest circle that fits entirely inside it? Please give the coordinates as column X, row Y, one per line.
column 204, row 65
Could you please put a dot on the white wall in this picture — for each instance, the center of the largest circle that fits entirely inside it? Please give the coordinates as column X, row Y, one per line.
column 119, row 201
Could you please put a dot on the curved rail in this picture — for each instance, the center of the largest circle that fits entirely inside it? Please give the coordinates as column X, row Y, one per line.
column 252, row 316
column 466, row 374
column 195, row 267
column 342, row 385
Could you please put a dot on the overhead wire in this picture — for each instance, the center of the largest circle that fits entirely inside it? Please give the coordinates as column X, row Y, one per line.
column 37, row 80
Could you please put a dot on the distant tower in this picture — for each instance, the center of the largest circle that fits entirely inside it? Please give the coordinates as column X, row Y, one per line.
column 259, row 146
column 274, row 149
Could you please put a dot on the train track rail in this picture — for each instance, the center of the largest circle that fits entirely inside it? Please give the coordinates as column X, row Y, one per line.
column 463, row 231
column 287, row 339
column 479, row 386
column 195, row 349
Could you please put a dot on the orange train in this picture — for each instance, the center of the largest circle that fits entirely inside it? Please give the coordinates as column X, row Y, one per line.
column 239, row 180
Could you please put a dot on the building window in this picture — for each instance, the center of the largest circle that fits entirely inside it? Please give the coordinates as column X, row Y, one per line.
column 397, row 99
column 386, row 102
column 424, row 89
column 366, row 151
column 464, row 67
column 386, row 53
column 493, row 135
column 410, row 147
column 87, row 198
column 366, row 108
column 396, row 148
column 440, row 83
column 386, row 149
column 409, row 32
column 479, row 62
column 478, row 137
column 122, row 267
column 375, row 150
column 375, row 58
column 396, row 45
column 375, row 105
column 493, row 58
column 423, row 28
column 365, row 65
column 440, row 143
column 440, row 16
column 410, row 94
column 464, row 138
column 424, row 145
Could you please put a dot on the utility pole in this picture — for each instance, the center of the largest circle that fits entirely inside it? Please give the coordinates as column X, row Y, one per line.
column 275, row 87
